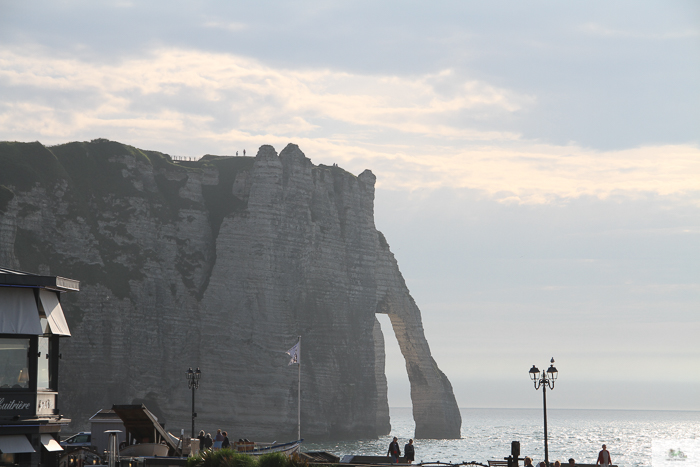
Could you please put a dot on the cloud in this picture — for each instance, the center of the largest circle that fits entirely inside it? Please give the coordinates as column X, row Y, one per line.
column 260, row 96
column 425, row 131
column 535, row 173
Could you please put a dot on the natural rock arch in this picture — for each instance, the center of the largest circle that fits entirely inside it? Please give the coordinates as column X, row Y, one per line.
column 435, row 409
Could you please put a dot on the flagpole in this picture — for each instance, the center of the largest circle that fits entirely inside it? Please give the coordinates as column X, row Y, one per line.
column 299, row 395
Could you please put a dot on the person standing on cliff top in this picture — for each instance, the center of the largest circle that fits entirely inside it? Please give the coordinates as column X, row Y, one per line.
column 409, row 451
column 604, row 457
column 394, row 451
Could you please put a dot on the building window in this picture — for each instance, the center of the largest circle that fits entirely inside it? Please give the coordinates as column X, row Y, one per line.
column 14, row 363
column 7, row 459
column 43, row 378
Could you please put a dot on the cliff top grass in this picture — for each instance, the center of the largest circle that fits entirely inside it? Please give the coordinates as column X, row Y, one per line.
column 24, row 164
column 98, row 181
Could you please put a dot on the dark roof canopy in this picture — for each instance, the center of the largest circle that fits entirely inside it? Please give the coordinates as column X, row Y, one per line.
column 11, row 277
column 141, row 423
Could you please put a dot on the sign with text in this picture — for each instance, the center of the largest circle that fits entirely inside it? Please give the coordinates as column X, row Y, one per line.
column 45, row 403
column 12, row 404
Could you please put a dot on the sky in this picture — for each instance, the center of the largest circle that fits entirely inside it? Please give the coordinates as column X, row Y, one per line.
column 538, row 163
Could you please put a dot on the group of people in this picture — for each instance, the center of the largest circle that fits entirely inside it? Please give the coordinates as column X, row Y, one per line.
column 528, row 463
column 409, row 451
column 217, row 442
column 604, row 459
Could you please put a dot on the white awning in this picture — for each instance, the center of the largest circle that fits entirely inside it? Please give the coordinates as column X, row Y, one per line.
column 10, row 444
column 54, row 312
column 50, row 444
column 18, row 311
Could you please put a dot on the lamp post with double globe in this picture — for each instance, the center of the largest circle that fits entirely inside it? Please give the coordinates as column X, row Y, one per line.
column 544, row 380
column 193, row 384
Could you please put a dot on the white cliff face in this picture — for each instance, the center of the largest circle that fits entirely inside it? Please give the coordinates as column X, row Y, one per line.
column 221, row 264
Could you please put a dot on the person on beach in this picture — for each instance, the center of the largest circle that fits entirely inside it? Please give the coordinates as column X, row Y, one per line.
column 528, row 462
column 409, row 451
column 394, row 451
column 572, row 462
column 604, row 457
column 218, row 440
column 201, row 439
column 226, row 443
column 208, row 442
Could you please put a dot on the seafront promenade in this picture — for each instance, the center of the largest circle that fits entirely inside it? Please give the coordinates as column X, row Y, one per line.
column 487, row 434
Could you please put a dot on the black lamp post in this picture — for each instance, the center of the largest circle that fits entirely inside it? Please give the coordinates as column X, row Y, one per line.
column 193, row 383
column 544, row 380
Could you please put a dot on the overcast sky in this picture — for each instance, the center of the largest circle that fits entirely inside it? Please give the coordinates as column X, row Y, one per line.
column 538, row 163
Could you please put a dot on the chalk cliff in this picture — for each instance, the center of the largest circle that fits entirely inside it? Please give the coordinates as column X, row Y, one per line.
column 219, row 263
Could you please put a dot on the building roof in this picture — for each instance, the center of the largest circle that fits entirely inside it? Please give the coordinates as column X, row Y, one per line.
column 11, row 277
column 105, row 414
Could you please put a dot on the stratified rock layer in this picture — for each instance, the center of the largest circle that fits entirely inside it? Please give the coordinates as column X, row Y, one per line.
column 221, row 264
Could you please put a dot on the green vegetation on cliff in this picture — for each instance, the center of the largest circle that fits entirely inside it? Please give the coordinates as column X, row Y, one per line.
column 100, row 182
column 219, row 198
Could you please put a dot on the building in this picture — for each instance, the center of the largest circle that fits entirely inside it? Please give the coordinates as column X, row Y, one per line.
column 102, row 421
column 31, row 326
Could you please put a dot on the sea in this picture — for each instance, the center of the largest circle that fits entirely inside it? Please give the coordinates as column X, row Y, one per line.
column 631, row 437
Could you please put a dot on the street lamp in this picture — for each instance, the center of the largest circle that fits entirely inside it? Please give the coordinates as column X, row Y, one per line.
column 193, row 383
column 544, row 380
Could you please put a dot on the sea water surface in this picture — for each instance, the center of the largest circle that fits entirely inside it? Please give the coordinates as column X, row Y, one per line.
column 487, row 434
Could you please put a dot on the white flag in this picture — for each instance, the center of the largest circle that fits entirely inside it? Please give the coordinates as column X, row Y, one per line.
column 294, row 353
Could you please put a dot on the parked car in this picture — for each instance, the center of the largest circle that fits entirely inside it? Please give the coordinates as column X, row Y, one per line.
column 81, row 439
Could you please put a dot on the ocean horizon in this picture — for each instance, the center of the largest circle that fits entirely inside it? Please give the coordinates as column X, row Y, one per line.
column 557, row 408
